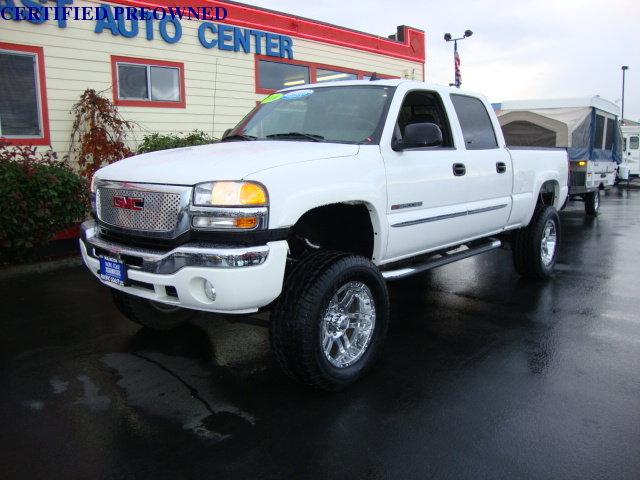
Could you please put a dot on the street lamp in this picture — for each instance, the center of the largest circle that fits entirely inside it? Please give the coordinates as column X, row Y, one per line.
column 456, row 57
column 624, row 70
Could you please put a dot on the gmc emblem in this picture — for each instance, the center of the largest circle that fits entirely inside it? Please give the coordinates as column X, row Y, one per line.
column 128, row 203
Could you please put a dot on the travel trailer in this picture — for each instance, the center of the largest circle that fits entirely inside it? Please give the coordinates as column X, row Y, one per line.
column 587, row 128
column 631, row 148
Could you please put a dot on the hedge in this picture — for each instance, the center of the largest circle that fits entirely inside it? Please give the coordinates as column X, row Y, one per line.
column 41, row 196
column 156, row 141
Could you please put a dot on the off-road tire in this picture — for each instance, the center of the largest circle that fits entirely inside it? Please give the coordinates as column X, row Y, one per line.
column 592, row 203
column 154, row 317
column 527, row 248
column 296, row 321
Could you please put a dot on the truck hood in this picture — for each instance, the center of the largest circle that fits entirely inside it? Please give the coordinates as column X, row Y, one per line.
column 219, row 161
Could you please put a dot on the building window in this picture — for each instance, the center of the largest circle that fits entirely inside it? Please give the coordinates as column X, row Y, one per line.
column 475, row 122
column 276, row 75
column 23, row 102
column 272, row 75
column 148, row 83
column 323, row 75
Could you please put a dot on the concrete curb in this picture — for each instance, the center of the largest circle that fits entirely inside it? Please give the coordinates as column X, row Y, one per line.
column 14, row 271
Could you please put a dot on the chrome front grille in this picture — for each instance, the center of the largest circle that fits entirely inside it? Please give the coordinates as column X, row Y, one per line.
column 161, row 210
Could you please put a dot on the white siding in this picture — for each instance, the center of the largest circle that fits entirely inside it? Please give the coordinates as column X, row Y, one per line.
column 76, row 58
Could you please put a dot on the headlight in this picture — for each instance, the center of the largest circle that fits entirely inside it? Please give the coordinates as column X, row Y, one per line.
column 93, row 183
column 230, row 194
column 230, row 206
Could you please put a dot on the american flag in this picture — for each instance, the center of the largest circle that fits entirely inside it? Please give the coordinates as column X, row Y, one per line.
column 456, row 61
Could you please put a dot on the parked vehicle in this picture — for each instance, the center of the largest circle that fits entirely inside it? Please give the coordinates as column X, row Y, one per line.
column 586, row 127
column 631, row 149
column 315, row 200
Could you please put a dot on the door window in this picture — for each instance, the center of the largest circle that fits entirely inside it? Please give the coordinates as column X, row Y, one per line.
column 423, row 107
column 475, row 122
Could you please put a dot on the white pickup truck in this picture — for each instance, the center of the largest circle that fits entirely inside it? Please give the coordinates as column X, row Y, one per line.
column 316, row 199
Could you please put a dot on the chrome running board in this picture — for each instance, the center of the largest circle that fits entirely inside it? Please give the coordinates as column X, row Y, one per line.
column 442, row 259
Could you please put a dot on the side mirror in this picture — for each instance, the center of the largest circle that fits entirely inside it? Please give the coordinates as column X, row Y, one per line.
column 418, row 135
column 226, row 132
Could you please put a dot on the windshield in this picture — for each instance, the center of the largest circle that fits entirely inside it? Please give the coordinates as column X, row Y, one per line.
column 345, row 114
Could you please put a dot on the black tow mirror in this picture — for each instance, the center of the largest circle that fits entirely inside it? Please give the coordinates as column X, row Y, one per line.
column 418, row 135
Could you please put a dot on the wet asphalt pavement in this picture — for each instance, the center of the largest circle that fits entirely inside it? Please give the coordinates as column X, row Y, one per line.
column 484, row 375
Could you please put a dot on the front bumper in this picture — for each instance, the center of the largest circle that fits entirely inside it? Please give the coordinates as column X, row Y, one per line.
column 244, row 279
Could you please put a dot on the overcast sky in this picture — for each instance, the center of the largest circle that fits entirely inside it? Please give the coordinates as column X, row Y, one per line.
column 519, row 48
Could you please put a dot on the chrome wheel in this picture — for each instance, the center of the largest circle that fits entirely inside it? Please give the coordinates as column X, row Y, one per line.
column 348, row 324
column 548, row 243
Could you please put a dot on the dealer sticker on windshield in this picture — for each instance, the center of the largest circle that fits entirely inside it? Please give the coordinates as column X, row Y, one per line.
column 272, row 98
column 297, row 94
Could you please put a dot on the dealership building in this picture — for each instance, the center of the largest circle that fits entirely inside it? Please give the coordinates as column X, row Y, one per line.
column 169, row 74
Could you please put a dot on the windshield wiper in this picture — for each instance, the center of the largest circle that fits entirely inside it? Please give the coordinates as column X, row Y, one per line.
column 239, row 136
column 309, row 136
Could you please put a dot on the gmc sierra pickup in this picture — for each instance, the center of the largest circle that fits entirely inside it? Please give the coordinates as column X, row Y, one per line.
column 316, row 199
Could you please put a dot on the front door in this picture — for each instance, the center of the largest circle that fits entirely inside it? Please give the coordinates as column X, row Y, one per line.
column 426, row 188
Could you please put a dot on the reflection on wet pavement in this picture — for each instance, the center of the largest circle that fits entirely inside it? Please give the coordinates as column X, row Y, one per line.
column 484, row 375
column 170, row 387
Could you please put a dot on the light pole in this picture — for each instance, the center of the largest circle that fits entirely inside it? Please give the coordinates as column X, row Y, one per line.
column 624, row 70
column 456, row 57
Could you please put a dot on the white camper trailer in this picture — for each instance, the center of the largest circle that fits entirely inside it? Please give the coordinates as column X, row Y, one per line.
column 586, row 127
column 631, row 149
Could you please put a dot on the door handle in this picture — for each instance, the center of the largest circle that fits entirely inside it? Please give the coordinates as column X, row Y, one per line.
column 501, row 167
column 459, row 169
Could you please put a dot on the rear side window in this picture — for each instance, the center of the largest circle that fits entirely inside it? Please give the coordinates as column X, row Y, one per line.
column 634, row 142
column 477, row 128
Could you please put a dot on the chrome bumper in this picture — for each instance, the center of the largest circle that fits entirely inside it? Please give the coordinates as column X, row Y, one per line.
column 187, row 255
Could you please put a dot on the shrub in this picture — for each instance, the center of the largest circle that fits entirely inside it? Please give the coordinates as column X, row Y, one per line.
column 155, row 141
column 41, row 196
column 98, row 133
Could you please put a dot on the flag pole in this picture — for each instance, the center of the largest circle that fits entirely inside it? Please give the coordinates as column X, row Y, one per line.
column 456, row 57
column 456, row 65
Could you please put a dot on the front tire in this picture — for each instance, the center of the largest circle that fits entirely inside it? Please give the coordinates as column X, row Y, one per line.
column 535, row 247
column 330, row 322
column 153, row 315
column 592, row 203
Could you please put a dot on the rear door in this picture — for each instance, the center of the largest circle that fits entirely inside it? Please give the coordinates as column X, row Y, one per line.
column 488, row 166
column 632, row 152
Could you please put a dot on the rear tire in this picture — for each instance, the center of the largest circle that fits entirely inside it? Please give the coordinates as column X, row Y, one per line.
column 153, row 315
column 535, row 247
column 330, row 321
column 592, row 203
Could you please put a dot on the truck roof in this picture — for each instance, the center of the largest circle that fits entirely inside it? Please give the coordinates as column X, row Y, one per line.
column 391, row 82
